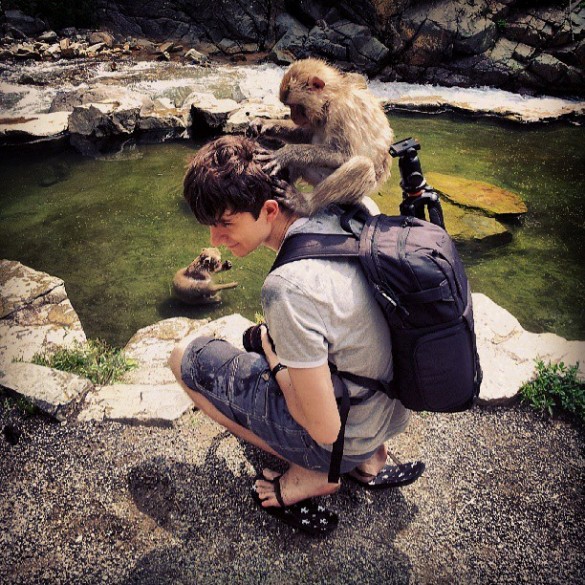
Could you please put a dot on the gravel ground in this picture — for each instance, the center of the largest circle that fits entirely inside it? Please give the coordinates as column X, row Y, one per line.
column 502, row 501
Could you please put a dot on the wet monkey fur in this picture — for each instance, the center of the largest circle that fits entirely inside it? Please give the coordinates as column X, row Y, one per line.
column 337, row 139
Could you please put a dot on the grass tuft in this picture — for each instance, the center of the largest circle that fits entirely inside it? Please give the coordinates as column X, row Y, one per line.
column 556, row 386
column 94, row 360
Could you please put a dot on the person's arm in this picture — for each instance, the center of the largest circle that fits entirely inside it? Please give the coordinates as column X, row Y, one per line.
column 309, row 396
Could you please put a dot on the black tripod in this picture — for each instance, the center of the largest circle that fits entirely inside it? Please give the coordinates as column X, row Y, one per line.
column 416, row 193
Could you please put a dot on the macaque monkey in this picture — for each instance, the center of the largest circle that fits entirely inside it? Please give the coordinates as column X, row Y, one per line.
column 194, row 284
column 338, row 139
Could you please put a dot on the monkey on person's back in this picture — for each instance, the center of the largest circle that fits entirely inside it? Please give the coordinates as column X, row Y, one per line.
column 338, row 139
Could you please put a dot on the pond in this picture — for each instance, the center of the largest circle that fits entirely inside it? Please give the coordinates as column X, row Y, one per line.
column 116, row 229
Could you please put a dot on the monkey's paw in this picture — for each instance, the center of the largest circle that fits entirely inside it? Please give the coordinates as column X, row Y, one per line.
column 291, row 197
column 255, row 128
column 275, row 161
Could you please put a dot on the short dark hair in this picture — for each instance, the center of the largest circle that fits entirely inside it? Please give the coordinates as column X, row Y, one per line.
column 224, row 175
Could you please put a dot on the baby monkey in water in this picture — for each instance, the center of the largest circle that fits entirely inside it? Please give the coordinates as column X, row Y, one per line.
column 337, row 140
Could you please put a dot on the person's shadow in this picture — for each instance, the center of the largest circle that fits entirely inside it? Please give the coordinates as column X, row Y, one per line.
column 221, row 536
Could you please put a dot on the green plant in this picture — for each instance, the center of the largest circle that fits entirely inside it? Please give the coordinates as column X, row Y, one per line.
column 94, row 359
column 556, row 386
column 501, row 23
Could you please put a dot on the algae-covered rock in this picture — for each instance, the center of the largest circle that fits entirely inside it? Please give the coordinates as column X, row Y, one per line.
column 492, row 200
column 463, row 224
column 473, row 226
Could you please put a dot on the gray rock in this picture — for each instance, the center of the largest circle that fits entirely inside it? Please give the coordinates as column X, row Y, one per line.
column 48, row 36
column 209, row 114
column 27, row 24
column 507, row 352
column 136, row 403
column 102, row 37
column 475, row 35
column 548, row 68
column 291, row 43
column 103, row 119
column 318, row 44
column 36, row 315
column 56, row 393
column 196, row 57
column 239, row 120
column 67, row 100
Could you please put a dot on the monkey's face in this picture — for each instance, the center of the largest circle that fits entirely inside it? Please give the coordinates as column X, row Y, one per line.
column 303, row 92
column 210, row 260
column 298, row 115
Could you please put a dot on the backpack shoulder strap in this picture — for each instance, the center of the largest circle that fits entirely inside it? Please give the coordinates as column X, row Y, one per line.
column 304, row 246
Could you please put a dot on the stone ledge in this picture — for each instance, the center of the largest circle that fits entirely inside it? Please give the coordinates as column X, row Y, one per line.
column 157, row 404
column 56, row 393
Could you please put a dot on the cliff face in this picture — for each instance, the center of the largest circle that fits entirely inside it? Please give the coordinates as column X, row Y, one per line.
column 533, row 46
column 520, row 45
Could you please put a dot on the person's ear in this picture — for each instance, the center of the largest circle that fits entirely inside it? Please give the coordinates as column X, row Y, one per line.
column 271, row 208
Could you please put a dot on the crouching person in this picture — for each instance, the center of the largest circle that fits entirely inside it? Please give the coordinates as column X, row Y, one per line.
column 318, row 312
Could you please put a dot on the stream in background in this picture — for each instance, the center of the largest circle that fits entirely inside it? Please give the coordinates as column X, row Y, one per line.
column 116, row 229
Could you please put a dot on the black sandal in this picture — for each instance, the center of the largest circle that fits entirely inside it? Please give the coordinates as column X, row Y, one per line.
column 390, row 476
column 305, row 515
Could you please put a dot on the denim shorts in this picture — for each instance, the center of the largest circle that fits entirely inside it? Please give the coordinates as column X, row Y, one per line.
column 240, row 386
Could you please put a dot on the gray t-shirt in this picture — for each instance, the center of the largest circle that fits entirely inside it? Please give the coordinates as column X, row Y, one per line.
column 323, row 310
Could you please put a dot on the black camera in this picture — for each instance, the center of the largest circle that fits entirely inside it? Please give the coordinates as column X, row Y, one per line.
column 252, row 339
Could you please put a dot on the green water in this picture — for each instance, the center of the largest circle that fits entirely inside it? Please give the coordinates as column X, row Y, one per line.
column 116, row 230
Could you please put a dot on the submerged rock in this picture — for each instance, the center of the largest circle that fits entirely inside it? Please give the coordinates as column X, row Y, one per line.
column 463, row 224
column 467, row 226
column 493, row 200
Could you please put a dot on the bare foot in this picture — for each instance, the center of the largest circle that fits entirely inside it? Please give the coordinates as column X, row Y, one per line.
column 296, row 484
column 370, row 468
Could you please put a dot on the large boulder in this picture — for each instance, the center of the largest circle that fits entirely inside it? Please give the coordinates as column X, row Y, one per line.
column 101, row 120
column 35, row 314
column 292, row 36
column 29, row 25
column 507, row 352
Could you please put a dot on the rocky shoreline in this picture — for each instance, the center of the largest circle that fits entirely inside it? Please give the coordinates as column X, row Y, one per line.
column 90, row 87
column 37, row 317
column 99, row 110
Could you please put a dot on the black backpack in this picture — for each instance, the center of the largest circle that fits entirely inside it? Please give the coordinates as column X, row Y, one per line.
column 419, row 281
